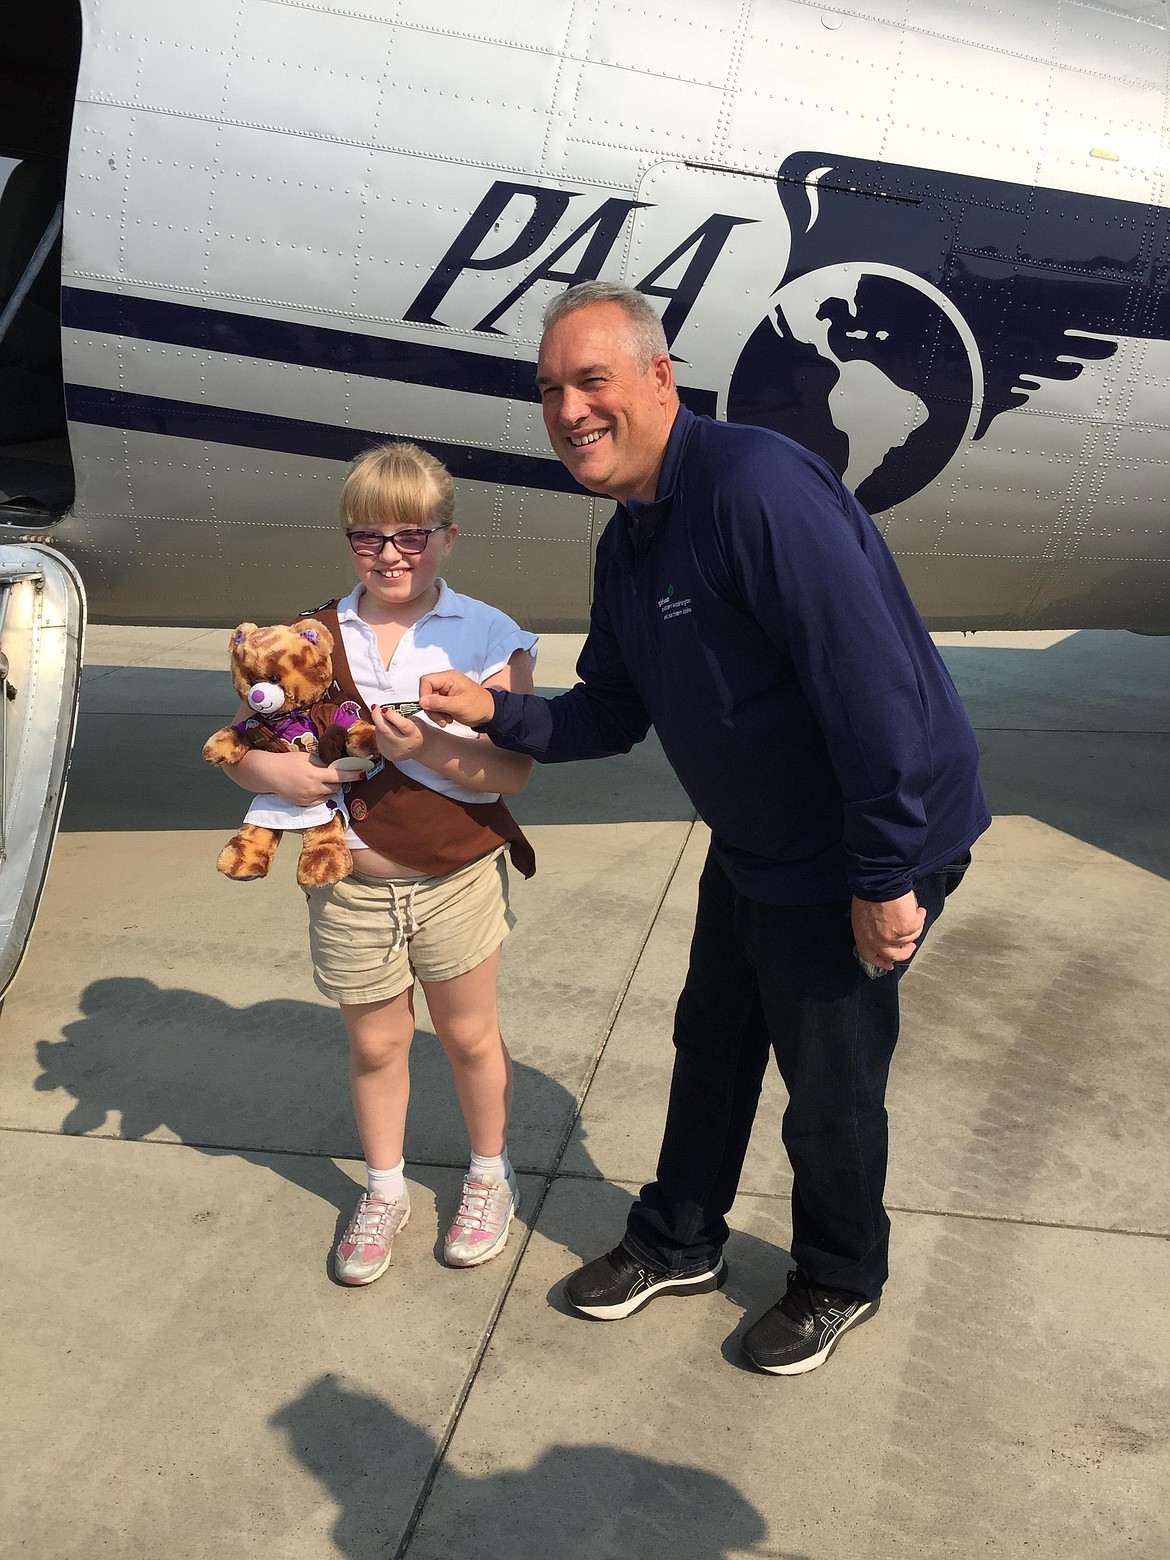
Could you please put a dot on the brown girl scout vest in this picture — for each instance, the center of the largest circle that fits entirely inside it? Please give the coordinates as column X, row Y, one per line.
column 407, row 821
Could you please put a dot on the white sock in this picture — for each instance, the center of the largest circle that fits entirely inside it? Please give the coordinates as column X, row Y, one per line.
column 386, row 1184
column 498, row 1169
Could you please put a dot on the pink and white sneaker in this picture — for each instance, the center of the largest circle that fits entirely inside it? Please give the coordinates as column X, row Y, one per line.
column 480, row 1229
column 363, row 1252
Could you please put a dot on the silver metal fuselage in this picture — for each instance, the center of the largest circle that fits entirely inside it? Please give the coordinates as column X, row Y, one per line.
column 291, row 228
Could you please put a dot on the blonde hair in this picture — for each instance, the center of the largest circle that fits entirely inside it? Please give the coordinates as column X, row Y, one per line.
column 396, row 484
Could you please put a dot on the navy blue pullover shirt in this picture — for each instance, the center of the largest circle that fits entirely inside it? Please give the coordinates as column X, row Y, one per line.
column 753, row 614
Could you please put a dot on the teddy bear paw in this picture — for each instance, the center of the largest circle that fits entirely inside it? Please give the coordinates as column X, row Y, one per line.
column 323, row 863
column 243, row 859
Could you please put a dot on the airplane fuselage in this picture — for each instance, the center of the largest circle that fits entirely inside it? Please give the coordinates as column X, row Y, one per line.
column 938, row 259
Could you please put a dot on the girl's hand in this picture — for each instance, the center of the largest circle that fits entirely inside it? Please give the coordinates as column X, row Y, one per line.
column 398, row 736
column 295, row 776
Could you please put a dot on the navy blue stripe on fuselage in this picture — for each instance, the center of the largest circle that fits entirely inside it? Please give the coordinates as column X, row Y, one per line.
column 309, row 346
column 313, row 346
column 326, row 441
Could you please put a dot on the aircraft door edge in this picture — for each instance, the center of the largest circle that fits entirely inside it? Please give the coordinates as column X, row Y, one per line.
column 42, row 629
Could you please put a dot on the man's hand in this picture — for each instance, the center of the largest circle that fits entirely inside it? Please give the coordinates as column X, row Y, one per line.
column 887, row 932
column 448, row 696
column 398, row 735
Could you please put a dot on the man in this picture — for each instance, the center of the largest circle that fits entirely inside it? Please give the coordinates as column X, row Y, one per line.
column 747, row 607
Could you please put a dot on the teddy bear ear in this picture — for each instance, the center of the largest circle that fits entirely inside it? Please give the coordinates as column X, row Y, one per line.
column 316, row 633
column 241, row 633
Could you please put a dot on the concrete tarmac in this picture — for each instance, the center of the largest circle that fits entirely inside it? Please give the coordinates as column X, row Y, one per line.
column 181, row 1377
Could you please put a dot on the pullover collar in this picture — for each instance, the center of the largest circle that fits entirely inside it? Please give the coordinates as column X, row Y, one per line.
column 646, row 515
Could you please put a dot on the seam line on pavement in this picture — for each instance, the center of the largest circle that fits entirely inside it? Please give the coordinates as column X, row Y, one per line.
column 444, row 1441
column 934, row 1213
column 555, row 1173
column 255, row 1148
column 1038, row 1224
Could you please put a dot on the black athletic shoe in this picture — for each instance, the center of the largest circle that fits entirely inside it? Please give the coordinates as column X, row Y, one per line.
column 802, row 1330
column 618, row 1284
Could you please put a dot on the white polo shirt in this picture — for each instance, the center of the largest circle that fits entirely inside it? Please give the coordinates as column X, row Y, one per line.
column 459, row 634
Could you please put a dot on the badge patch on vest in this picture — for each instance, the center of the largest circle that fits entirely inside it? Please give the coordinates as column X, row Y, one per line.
column 358, row 809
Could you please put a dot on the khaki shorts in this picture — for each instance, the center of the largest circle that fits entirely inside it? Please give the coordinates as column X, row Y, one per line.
column 371, row 937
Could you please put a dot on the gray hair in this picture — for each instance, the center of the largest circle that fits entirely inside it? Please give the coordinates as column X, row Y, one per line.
column 646, row 336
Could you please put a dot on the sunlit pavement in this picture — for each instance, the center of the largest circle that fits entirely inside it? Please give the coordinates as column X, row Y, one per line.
column 182, row 1378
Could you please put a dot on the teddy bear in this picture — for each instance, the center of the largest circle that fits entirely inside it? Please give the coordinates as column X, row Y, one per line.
column 282, row 674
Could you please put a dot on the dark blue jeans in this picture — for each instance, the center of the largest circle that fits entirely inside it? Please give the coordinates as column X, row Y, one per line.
column 780, row 978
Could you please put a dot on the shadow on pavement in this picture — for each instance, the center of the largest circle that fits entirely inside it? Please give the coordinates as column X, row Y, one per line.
column 576, row 1501
column 1074, row 736
column 267, row 1083
column 177, row 790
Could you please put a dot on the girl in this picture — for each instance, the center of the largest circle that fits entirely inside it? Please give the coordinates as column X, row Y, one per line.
column 428, row 896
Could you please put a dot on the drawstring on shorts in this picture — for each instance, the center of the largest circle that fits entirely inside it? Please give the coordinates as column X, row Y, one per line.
column 405, row 925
